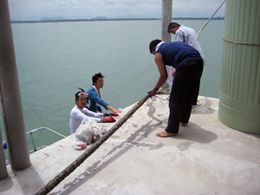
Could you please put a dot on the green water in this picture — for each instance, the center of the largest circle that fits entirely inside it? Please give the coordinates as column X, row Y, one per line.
column 53, row 59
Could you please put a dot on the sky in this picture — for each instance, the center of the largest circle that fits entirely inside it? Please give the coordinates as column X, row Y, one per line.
column 87, row 9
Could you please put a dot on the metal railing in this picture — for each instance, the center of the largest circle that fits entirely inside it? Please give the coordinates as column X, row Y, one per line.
column 40, row 128
column 32, row 139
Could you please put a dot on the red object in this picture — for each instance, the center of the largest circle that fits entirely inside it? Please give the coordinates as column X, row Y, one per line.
column 109, row 119
column 82, row 145
column 113, row 114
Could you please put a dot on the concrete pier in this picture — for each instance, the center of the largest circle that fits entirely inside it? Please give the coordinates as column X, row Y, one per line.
column 206, row 157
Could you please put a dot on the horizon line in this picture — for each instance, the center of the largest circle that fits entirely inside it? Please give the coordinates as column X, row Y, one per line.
column 52, row 19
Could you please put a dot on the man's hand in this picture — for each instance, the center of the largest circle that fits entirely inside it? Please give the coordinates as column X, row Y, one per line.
column 173, row 73
column 113, row 109
column 116, row 111
column 152, row 92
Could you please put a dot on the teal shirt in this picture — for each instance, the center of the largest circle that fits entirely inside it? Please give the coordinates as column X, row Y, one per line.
column 93, row 98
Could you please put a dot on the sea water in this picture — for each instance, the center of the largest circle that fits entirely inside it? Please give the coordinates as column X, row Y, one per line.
column 55, row 58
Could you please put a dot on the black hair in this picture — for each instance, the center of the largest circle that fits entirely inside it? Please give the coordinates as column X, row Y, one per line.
column 96, row 76
column 172, row 25
column 153, row 44
column 77, row 94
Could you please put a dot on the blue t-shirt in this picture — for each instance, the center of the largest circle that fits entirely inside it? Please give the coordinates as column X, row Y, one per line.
column 177, row 53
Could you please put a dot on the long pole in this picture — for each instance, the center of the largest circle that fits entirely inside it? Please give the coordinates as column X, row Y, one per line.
column 210, row 18
column 62, row 175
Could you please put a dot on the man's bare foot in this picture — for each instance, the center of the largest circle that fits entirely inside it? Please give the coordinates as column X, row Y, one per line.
column 165, row 134
column 183, row 124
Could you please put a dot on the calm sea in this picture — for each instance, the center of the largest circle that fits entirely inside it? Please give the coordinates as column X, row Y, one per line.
column 53, row 59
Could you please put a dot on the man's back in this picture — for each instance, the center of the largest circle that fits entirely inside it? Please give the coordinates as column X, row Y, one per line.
column 188, row 35
column 177, row 53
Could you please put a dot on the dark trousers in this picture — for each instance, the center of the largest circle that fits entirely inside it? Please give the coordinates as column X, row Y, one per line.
column 195, row 97
column 184, row 88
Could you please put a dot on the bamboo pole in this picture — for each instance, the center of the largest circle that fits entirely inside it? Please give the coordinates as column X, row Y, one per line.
column 69, row 169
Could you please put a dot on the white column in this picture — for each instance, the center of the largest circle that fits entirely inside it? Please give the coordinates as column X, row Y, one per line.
column 10, row 96
column 166, row 20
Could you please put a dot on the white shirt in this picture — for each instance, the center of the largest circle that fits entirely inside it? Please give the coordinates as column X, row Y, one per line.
column 168, row 67
column 77, row 115
column 188, row 35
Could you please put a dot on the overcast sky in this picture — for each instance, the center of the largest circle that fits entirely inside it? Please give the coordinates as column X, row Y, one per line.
column 86, row 9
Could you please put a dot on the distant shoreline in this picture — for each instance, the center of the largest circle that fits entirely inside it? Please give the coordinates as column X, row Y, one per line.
column 112, row 19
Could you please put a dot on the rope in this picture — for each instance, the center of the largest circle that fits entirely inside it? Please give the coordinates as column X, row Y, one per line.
column 242, row 43
column 69, row 169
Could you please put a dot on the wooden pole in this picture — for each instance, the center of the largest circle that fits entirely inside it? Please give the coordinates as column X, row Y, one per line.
column 62, row 175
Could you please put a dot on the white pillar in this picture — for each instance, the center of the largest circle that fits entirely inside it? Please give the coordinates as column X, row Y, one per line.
column 166, row 20
column 10, row 97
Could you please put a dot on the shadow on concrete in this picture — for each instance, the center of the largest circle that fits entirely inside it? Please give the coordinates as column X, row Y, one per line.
column 25, row 178
column 195, row 133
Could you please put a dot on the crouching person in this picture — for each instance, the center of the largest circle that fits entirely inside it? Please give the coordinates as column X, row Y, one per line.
column 79, row 112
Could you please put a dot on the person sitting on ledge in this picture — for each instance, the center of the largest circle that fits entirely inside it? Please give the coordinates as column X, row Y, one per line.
column 79, row 112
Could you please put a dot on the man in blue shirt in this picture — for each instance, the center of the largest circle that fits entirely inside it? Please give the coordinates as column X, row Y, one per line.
column 94, row 96
column 189, row 66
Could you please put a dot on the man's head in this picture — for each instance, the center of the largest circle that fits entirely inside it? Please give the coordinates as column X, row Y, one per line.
column 98, row 81
column 173, row 27
column 81, row 99
column 153, row 44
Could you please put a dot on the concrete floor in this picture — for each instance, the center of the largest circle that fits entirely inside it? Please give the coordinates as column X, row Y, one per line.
column 205, row 158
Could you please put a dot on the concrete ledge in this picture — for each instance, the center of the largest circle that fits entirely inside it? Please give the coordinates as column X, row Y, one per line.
column 206, row 157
